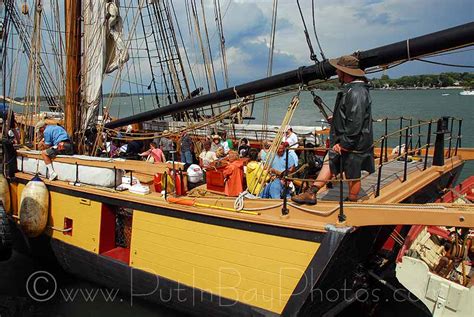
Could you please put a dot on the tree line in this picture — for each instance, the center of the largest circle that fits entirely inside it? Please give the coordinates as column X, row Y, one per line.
column 417, row 81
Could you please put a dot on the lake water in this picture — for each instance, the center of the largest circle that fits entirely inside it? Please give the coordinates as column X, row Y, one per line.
column 419, row 104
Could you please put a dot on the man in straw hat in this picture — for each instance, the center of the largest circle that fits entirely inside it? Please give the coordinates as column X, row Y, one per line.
column 55, row 141
column 351, row 132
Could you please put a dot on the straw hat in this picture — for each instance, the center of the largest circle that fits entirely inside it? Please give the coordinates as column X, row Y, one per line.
column 39, row 125
column 216, row 136
column 348, row 64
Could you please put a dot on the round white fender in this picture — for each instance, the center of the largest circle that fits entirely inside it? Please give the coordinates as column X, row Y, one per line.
column 5, row 193
column 34, row 205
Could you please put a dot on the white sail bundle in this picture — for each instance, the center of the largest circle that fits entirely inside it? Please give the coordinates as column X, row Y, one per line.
column 117, row 53
column 104, row 52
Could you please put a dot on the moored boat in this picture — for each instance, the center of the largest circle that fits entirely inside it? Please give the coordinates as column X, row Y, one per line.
column 435, row 262
column 220, row 255
column 467, row 93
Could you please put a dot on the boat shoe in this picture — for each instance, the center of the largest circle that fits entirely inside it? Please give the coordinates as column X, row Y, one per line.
column 307, row 197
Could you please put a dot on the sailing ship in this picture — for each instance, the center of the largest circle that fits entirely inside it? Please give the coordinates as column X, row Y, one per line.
column 216, row 254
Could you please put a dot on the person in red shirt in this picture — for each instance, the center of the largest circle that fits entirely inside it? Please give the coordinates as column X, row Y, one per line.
column 155, row 153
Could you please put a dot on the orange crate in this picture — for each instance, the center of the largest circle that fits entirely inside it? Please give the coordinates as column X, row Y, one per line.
column 215, row 180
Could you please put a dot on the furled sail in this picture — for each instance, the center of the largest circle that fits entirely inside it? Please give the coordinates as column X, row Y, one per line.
column 104, row 52
column 117, row 53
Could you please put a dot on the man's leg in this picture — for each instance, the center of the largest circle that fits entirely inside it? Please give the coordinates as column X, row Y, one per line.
column 309, row 196
column 45, row 157
column 323, row 176
column 354, row 189
column 189, row 157
column 49, row 165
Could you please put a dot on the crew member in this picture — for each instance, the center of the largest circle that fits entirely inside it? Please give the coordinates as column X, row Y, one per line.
column 351, row 132
column 55, row 141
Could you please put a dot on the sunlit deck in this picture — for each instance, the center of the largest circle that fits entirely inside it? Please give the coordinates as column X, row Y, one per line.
column 391, row 171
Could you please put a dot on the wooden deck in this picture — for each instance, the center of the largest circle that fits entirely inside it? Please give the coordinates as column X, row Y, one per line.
column 391, row 171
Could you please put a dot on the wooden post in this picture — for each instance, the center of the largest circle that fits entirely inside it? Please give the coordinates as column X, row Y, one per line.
column 73, row 65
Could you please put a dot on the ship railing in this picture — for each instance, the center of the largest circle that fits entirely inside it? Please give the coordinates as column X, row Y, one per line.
column 445, row 126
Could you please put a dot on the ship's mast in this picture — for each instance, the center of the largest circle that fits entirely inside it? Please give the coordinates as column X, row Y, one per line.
column 73, row 65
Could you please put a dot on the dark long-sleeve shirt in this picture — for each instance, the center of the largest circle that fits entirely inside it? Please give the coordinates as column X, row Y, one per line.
column 352, row 121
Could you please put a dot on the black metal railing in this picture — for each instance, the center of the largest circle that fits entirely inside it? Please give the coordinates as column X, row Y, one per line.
column 445, row 126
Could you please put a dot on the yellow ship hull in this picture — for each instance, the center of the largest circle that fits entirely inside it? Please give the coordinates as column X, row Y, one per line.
column 236, row 265
column 203, row 263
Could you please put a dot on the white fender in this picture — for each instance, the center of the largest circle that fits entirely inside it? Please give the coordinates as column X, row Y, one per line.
column 34, row 205
column 5, row 193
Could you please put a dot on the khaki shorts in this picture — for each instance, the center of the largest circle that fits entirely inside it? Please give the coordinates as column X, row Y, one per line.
column 66, row 149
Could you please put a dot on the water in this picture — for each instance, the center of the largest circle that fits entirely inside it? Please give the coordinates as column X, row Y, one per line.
column 420, row 104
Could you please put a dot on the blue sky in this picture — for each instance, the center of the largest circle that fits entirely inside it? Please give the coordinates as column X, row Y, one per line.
column 343, row 27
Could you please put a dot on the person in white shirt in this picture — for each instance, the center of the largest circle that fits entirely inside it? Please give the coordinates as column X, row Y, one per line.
column 207, row 156
column 291, row 138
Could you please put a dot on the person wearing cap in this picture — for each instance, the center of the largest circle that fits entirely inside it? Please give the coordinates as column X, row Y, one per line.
column 217, row 142
column 166, row 145
column 55, row 141
column 351, row 134
column 291, row 138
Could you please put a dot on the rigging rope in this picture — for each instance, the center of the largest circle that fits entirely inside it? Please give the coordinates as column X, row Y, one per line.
column 116, row 81
column 208, row 43
column 443, row 64
column 316, row 33
column 190, row 127
column 266, row 103
column 262, row 174
column 220, row 31
column 182, row 43
column 312, row 55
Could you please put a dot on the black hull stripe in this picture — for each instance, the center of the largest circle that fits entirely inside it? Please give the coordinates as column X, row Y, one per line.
column 213, row 220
